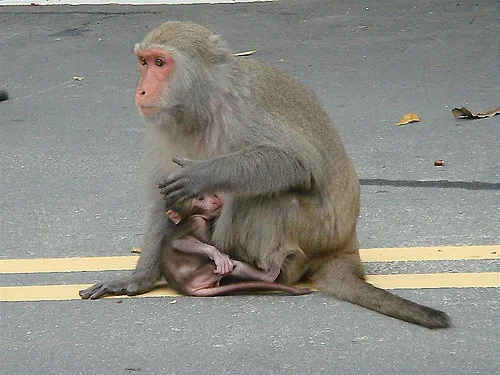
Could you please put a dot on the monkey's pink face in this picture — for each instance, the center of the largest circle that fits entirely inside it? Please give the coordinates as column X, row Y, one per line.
column 156, row 67
column 209, row 205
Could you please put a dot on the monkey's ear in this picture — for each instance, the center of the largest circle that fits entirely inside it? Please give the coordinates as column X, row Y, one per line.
column 174, row 216
column 221, row 51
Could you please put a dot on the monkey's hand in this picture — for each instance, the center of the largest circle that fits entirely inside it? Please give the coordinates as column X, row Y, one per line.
column 223, row 264
column 131, row 286
column 186, row 183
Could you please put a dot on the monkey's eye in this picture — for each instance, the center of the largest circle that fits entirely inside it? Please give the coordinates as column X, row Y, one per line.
column 159, row 62
column 201, row 199
column 142, row 60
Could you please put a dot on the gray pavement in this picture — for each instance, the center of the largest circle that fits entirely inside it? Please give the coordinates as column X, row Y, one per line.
column 71, row 161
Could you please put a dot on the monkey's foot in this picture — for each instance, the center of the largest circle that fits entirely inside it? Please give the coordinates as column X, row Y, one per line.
column 273, row 274
column 130, row 286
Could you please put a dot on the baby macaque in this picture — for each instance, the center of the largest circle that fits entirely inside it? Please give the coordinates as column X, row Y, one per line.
column 194, row 267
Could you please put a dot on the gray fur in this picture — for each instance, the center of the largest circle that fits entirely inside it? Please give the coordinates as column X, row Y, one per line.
column 263, row 139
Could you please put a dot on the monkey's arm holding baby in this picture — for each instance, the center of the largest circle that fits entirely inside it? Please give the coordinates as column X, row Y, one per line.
column 186, row 255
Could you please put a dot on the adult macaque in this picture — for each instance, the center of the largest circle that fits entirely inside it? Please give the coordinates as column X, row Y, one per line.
column 264, row 140
column 192, row 266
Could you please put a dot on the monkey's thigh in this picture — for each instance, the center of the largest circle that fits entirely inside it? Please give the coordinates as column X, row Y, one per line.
column 203, row 277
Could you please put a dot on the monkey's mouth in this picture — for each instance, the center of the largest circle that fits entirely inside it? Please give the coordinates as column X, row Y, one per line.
column 149, row 111
column 220, row 201
column 216, row 211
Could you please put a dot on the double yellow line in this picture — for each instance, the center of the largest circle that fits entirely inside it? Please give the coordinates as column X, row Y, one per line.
column 400, row 281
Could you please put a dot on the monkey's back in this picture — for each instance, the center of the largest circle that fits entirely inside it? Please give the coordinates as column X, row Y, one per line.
column 288, row 99
column 296, row 106
column 312, row 222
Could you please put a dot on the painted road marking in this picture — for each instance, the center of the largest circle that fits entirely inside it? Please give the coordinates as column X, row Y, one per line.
column 404, row 281
column 119, row 263
column 400, row 281
column 430, row 253
column 41, row 265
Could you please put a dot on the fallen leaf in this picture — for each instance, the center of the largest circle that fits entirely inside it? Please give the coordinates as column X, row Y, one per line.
column 75, row 78
column 246, row 53
column 408, row 118
column 439, row 163
column 465, row 113
column 136, row 250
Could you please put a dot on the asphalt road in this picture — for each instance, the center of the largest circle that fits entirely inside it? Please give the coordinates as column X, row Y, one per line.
column 70, row 185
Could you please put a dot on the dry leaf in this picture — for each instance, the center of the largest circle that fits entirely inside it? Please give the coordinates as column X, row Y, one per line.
column 439, row 163
column 465, row 113
column 246, row 53
column 136, row 250
column 75, row 78
column 408, row 118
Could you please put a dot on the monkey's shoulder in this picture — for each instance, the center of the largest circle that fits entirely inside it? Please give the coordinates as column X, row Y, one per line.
column 277, row 89
column 191, row 226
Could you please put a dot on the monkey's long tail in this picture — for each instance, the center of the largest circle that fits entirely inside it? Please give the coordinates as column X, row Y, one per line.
column 338, row 278
column 227, row 289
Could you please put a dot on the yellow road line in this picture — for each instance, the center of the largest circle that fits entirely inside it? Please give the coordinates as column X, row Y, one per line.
column 41, row 265
column 430, row 253
column 404, row 281
column 436, row 280
column 113, row 263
